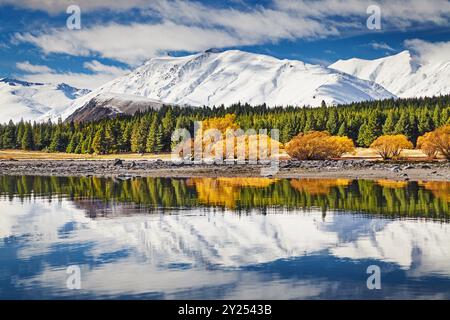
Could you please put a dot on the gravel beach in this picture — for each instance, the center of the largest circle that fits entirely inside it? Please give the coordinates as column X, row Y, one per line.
column 352, row 169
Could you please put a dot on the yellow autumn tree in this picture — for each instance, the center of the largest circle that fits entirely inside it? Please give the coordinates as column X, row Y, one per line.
column 390, row 146
column 436, row 142
column 254, row 147
column 424, row 144
column 318, row 145
column 222, row 124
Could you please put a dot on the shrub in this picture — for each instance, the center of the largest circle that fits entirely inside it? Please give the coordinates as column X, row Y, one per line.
column 245, row 147
column 318, row 145
column 436, row 142
column 424, row 144
column 390, row 146
column 250, row 147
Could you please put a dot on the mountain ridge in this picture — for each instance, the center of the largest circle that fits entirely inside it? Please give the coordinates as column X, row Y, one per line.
column 402, row 74
column 213, row 78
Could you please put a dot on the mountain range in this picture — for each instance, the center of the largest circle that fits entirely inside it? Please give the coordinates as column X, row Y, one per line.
column 35, row 101
column 225, row 77
column 401, row 74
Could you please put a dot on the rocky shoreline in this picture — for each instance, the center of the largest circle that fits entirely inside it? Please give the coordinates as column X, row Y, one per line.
column 352, row 169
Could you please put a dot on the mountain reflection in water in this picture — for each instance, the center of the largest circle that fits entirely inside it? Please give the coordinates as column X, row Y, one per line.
column 220, row 238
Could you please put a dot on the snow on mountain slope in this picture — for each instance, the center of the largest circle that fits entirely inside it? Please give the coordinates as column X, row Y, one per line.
column 32, row 101
column 215, row 78
column 109, row 105
column 401, row 74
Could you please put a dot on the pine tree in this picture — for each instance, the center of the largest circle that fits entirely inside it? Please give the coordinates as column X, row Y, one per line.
column 332, row 125
column 365, row 136
column 139, row 135
column 98, row 143
column 343, row 130
column 27, row 138
column 73, row 144
column 402, row 126
column 19, row 134
column 57, row 144
column 152, row 132
column 9, row 136
column 424, row 122
column 389, row 124
column 159, row 143
column 168, row 124
column 310, row 124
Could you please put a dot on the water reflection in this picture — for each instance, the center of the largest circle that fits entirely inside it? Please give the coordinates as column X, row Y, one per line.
column 195, row 246
column 382, row 197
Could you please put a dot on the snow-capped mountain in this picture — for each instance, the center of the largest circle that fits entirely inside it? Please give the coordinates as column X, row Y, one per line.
column 401, row 74
column 34, row 101
column 109, row 105
column 215, row 78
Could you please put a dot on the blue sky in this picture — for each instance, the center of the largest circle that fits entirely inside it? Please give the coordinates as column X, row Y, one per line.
column 116, row 36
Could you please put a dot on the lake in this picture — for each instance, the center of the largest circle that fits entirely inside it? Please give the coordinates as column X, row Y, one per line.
column 223, row 238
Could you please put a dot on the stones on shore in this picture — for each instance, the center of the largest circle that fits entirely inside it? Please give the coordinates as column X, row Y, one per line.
column 395, row 169
column 118, row 162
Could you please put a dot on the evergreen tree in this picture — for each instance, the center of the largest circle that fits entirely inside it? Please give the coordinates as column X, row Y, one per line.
column 389, row 124
column 424, row 122
column 9, row 136
column 27, row 138
column 139, row 135
column 57, row 144
column 151, row 138
column 402, row 126
column 332, row 122
column 343, row 130
column 98, row 143
column 159, row 143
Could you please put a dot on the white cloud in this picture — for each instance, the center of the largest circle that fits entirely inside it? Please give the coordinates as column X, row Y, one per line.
column 100, row 75
column 133, row 43
column 381, row 46
column 193, row 26
column 58, row 6
column 99, row 67
column 33, row 68
column 429, row 52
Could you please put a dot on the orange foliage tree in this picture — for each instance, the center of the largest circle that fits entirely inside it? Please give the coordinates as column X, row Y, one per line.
column 436, row 142
column 249, row 147
column 390, row 146
column 318, row 145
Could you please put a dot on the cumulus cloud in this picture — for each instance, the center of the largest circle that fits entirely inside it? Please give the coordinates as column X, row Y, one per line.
column 99, row 75
column 58, row 6
column 33, row 68
column 130, row 43
column 194, row 26
column 429, row 52
column 176, row 25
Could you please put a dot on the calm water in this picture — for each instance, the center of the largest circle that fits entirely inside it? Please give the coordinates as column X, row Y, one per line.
column 223, row 238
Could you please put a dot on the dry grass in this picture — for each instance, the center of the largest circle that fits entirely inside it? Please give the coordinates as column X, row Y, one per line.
column 369, row 153
column 361, row 153
column 38, row 155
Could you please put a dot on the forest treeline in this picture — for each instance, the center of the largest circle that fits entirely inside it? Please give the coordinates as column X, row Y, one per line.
column 382, row 197
column 151, row 131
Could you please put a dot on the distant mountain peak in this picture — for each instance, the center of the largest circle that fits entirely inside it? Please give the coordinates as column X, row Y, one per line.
column 216, row 77
column 214, row 50
column 401, row 73
column 15, row 82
